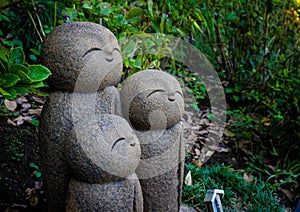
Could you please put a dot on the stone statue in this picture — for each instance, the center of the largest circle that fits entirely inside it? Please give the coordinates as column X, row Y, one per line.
column 153, row 104
column 91, row 158
column 103, row 154
column 86, row 63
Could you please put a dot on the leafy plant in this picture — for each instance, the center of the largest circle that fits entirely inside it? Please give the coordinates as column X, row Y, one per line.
column 239, row 194
column 17, row 76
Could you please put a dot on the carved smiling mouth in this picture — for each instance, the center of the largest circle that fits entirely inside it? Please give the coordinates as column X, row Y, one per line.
column 109, row 59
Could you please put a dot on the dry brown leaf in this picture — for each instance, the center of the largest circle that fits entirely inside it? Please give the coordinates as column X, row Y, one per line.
column 21, row 100
column 248, row 177
column 209, row 153
column 197, row 163
column 188, row 179
column 26, row 105
column 20, row 119
column 11, row 105
column 33, row 201
column 37, row 99
column 10, row 122
column 35, row 112
column 287, row 193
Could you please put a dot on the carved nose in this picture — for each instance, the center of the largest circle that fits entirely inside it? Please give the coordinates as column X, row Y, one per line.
column 171, row 97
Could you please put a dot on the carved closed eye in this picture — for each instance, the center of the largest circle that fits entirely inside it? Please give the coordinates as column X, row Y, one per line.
column 155, row 91
column 179, row 93
column 91, row 50
column 117, row 141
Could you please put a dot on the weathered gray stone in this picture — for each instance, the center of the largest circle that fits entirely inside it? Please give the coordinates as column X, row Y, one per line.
column 152, row 99
column 122, row 195
column 82, row 55
column 103, row 153
column 152, row 102
column 101, row 149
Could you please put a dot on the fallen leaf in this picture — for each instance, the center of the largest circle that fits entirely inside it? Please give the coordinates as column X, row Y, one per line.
column 11, row 105
column 10, row 122
column 26, row 105
column 248, row 177
column 197, row 163
column 36, row 112
column 188, row 179
column 20, row 119
column 209, row 153
column 21, row 100
column 287, row 193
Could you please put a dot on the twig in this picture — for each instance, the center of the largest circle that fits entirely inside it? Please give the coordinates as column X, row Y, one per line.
column 35, row 27
column 10, row 5
column 38, row 18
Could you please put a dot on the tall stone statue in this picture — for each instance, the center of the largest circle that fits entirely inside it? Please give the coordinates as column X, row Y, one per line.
column 101, row 150
column 86, row 63
column 153, row 104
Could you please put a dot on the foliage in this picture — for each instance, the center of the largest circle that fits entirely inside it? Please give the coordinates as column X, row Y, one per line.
column 17, row 76
column 239, row 194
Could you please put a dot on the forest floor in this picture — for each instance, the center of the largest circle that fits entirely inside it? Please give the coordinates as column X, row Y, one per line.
column 21, row 182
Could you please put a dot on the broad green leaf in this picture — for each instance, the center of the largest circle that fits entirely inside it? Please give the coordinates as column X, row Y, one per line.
column 134, row 12
column 37, row 85
column 4, row 92
column 21, row 71
column 22, row 90
column 38, row 73
column 4, row 54
column 35, row 122
column 11, row 80
column 2, row 81
column 17, row 55
column 12, row 94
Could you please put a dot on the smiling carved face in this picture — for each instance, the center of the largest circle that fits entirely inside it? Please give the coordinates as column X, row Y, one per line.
column 82, row 56
column 102, row 148
column 152, row 100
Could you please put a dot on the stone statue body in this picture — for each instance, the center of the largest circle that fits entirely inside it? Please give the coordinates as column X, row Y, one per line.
column 103, row 154
column 85, row 62
column 153, row 104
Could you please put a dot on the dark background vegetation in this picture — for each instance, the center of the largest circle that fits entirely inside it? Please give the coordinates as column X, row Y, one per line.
column 253, row 45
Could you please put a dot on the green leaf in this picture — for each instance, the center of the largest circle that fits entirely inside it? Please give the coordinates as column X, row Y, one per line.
column 38, row 174
column 37, row 85
column 11, row 80
column 38, row 73
column 13, row 94
column 2, row 81
column 35, row 51
column 22, row 90
column 35, row 122
column 4, row 92
column 21, row 71
column 4, row 54
column 134, row 12
column 32, row 165
column 17, row 55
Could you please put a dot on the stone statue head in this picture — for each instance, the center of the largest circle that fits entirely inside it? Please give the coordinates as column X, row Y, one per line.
column 102, row 148
column 82, row 56
column 152, row 100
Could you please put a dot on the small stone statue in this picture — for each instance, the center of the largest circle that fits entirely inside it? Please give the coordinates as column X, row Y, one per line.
column 103, row 154
column 153, row 104
column 86, row 63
